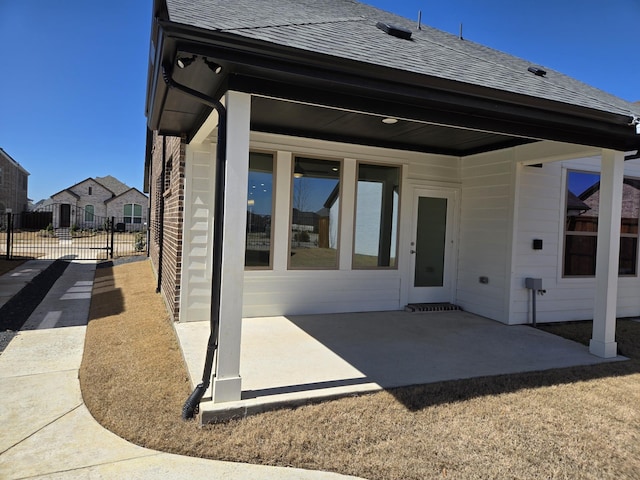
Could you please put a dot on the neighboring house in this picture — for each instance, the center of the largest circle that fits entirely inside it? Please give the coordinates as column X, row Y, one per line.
column 466, row 153
column 14, row 181
column 90, row 203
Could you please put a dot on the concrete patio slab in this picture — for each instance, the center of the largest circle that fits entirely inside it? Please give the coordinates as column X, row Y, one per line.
column 297, row 358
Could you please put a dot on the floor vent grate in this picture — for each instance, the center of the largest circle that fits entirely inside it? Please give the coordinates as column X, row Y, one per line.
column 431, row 307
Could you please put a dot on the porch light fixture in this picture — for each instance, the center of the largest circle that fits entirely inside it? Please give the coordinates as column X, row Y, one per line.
column 298, row 171
column 215, row 67
column 183, row 62
column 389, row 121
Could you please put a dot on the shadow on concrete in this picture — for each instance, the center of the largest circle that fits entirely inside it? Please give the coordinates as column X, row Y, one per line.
column 432, row 358
column 19, row 308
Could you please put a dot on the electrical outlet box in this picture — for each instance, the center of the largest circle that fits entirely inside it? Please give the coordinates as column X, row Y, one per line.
column 533, row 283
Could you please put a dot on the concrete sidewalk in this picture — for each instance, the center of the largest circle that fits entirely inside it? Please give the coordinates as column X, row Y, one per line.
column 47, row 432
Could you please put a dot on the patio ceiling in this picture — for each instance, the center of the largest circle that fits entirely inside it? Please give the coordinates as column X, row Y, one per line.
column 316, row 113
column 312, row 121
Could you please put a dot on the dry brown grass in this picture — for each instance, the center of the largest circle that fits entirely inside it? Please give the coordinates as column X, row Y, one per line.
column 570, row 423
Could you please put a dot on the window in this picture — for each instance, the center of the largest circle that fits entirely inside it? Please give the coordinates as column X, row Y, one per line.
column 581, row 225
column 315, row 214
column 376, row 222
column 132, row 213
column 88, row 213
column 156, row 220
column 259, row 211
column 1, row 176
column 90, row 191
column 167, row 174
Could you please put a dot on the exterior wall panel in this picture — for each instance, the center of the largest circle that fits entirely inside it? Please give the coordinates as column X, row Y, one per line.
column 540, row 215
column 486, row 233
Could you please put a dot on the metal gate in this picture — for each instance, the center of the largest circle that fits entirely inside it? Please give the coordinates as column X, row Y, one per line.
column 63, row 231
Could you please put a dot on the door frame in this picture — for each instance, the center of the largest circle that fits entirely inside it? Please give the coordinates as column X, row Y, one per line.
column 452, row 194
column 63, row 220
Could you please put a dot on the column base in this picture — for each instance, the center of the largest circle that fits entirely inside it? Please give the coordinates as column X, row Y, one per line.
column 227, row 389
column 602, row 349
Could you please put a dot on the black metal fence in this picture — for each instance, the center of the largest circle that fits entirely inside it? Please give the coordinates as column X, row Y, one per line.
column 60, row 231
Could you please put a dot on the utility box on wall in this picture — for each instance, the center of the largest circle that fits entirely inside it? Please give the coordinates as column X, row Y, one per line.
column 533, row 283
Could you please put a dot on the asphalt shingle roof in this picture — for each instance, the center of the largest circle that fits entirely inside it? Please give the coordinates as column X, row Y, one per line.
column 347, row 29
column 113, row 184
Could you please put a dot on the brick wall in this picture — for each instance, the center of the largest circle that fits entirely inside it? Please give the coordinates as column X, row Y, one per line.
column 171, row 189
column 13, row 191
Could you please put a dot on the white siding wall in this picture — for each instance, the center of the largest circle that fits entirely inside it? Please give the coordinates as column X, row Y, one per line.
column 197, row 235
column 540, row 215
column 486, row 230
column 281, row 291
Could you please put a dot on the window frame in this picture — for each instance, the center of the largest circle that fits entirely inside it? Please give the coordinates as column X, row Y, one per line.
column 311, row 156
column 132, row 216
column 564, row 232
column 92, row 214
column 274, row 158
column 399, row 167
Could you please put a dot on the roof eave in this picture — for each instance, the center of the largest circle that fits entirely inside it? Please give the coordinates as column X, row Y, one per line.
column 247, row 58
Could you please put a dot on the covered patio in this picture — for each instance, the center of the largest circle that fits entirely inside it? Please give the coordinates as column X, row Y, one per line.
column 289, row 360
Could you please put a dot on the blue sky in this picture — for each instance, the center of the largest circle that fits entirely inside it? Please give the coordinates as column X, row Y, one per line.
column 73, row 81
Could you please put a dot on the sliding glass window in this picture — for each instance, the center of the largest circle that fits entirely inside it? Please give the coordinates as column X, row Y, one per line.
column 376, row 222
column 259, row 247
column 315, row 214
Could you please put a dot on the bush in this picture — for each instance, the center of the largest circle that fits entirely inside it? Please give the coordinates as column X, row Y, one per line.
column 140, row 242
column 302, row 237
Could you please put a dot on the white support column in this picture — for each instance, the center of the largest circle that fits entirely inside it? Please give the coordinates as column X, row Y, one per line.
column 227, row 383
column 603, row 342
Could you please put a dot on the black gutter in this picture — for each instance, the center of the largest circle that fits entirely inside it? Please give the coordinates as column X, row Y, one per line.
column 191, row 406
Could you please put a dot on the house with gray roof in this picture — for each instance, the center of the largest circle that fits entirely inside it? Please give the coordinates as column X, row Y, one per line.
column 93, row 201
column 453, row 165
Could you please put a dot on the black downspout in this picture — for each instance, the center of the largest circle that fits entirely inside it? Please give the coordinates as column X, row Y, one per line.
column 191, row 406
column 151, row 192
column 161, row 213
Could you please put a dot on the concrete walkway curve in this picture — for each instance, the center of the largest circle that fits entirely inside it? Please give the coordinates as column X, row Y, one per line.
column 46, row 430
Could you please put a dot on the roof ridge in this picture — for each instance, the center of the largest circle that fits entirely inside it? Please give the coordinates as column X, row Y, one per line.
column 297, row 24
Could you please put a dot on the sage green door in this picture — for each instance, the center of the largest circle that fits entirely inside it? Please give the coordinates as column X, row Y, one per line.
column 432, row 246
